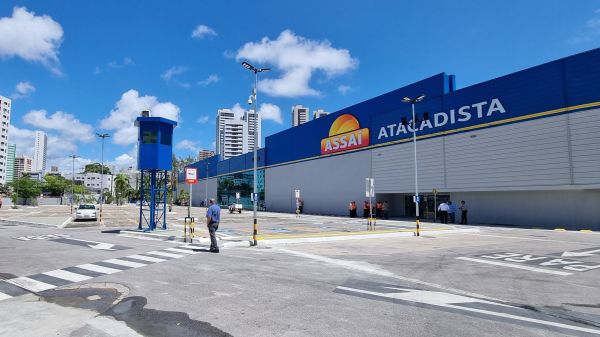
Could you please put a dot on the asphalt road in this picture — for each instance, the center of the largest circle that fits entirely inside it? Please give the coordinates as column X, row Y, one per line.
column 498, row 282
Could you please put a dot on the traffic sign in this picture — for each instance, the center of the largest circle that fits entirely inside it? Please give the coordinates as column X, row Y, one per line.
column 370, row 187
column 435, row 191
column 297, row 193
column 191, row 175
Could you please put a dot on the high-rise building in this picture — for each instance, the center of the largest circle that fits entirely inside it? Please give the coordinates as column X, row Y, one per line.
column 203, row 154
column 54, row 169
column 23, row 164
column 39, row 153
column 319, row 113
column 10, row 162
column 253, row 136
column 299, row 115
column 5, row 107
column 235, row 134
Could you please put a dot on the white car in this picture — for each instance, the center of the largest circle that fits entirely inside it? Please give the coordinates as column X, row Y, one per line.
column 86, row 211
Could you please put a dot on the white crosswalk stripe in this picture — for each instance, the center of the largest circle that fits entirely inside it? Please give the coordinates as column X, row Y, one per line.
column 145, row 258
column 4, row 296
column 125, row 263
column 98, row 269
column 154, row 252
column 31, row 284
column 177, row 250
column 67, row 275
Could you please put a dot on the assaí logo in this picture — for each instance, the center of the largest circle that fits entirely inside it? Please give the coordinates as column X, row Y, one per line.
column 345, row 134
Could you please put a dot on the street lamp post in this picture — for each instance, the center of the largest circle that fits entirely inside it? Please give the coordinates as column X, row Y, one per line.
column 103, row 136
column 73, row 182
column 412, row 102
column 253, row 99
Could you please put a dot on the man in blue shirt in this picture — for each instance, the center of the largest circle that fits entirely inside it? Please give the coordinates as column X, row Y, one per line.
column 213, row 216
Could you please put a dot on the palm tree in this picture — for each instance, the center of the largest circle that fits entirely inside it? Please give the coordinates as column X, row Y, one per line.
column 121, row 186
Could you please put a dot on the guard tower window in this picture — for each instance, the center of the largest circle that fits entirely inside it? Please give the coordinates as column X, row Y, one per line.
column 149, row 137
column 166, row 138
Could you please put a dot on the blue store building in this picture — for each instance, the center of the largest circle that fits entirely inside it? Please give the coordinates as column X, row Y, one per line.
column 520, row 149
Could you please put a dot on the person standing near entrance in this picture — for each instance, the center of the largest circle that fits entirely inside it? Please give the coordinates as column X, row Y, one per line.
column 452, row 211
column 385, row 208
column 463, row 215
column 366, row 209
column 352, row 209
column 443, row 209
column 213, row 217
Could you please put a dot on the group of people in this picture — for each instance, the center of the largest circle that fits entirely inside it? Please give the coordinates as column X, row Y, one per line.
column 448, row 209
column 379, row 211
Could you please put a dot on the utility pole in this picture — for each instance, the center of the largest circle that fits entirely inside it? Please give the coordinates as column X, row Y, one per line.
column 73, row 182
column 103, row 136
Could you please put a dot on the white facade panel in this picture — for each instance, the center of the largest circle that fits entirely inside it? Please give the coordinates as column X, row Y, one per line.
column 326, row 185
column 585, row 146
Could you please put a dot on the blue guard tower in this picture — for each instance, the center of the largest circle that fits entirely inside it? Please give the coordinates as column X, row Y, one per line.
column 155, row 151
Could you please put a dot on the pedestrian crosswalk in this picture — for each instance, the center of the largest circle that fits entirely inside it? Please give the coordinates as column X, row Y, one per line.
column 59, row 277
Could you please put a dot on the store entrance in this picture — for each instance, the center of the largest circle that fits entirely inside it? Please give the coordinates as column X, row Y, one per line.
column 427, row 205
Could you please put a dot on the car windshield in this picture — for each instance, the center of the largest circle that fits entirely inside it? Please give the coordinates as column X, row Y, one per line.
column 87, row 207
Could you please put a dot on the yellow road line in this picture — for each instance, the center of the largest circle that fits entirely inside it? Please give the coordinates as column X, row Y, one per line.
column 317, row 235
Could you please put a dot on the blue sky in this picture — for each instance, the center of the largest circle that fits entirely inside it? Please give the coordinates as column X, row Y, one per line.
column 77, row 67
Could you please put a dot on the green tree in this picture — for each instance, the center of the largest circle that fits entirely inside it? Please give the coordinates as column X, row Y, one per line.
column 55, row 185
column 26, row 188
column 96, row 168
column 121, row 187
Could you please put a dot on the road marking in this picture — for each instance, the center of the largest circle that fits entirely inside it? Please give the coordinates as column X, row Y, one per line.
column 67, row 275
column 369, row 268
column 181, row 250
column 99, row 269
column 527, row 238
column 145, row 258
column 31, row 284
column 580, row 253
column 446, row 300
column 90, row 244
column 154, row 252
column 498, row 263
column 4, row 296
column 125, row 263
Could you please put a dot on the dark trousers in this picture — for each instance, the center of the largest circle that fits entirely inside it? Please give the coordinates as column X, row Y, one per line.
column 353, row 213
column 365, row 213
column 444, row 216
column 212, row 230
column 463, row 218
column 452, row 216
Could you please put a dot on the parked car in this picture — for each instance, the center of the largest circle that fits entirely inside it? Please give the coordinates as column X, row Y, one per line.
column 235, row 208
column 86, row 212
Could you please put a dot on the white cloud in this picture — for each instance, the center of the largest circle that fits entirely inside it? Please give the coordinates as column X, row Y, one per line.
column 344, row 89
column 188, row 145
column 209, row 80
column 202, row 31
column 128, row 108
column 23, row 90
column 298, row 59
column 170, row 76
column 589, row 32
column 128, row 61
column 64, row 123
column 271, row 112
column 203, row 119
column 32, row 38
column 23, row 138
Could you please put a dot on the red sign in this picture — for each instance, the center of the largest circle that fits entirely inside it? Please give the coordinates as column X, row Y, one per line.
column 191, row 175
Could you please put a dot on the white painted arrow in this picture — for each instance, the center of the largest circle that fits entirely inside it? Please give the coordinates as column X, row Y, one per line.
column 452, row 301
column 580, row 254
column 103, row 246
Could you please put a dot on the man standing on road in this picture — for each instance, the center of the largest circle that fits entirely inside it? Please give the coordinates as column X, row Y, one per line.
column 213, row 216
column 463, row 216
column 443, row 209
